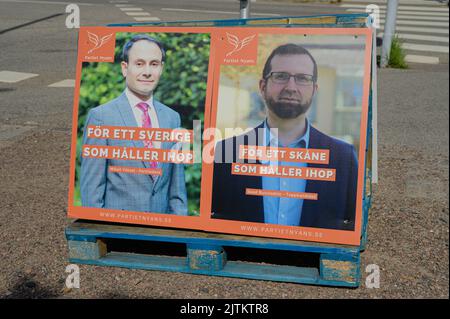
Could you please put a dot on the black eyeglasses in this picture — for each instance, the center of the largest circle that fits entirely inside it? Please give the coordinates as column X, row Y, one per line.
column 284, row 77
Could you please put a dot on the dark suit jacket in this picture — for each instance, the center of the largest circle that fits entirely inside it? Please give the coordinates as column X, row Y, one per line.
column 334, row 209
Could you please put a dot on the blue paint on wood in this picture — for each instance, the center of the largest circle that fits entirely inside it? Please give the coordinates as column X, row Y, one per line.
column 85, row 238
column 232, row 269
column 341, row 268
column 266, row 272
column 212, row 261
column 81, row 234
column 84, row 249
column 367, row 174
column 205, row 247
column 137, row 261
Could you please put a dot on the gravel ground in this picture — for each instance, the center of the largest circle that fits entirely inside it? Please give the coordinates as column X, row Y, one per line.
column 408, row 222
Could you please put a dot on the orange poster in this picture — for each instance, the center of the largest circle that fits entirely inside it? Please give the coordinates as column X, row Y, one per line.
column 288, row 125
column 140, row 99
column 252, row 131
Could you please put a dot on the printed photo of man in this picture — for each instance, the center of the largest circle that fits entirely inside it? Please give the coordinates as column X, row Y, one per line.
column 288, row 86
column 142, row 65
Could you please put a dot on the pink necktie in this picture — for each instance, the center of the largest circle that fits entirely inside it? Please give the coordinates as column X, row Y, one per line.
column 146, row 123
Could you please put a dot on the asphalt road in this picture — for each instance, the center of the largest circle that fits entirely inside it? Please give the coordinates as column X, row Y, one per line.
column 48, row 48
column 413, row 131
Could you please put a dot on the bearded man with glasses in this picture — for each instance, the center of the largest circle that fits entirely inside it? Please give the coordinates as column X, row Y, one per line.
column 288, row 86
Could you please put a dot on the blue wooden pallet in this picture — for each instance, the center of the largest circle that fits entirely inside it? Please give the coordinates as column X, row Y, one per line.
column 206, row 254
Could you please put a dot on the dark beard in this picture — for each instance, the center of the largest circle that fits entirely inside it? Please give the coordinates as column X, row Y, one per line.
column 288, row 110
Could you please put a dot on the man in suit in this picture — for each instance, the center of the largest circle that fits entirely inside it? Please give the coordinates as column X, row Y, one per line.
column 142, row 66
column 288, row 86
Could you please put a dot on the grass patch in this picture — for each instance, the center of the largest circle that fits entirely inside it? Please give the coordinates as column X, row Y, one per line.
column 397, row 55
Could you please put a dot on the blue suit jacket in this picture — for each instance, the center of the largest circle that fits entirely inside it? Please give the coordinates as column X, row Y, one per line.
column 132, row 192
column 334, row 209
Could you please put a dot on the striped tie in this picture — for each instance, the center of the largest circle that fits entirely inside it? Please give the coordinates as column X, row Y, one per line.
column 146, row 123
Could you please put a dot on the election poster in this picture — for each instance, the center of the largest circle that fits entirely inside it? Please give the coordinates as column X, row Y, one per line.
column 141, row 98
column 239, row 130
column 289, row 123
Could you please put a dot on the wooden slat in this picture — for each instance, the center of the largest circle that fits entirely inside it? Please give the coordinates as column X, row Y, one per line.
column 90, row 229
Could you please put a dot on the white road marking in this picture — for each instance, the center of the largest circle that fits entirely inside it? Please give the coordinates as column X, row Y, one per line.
column 124, row 5
column 142, row 19
column 413, row 13
column 401, row 7
column 13, row 77
column 131, row 9
column 422, row 18
column 219, row 12
column 419, row 37
column 421, row 30
column 421, row 59
column 69, row 83
column 424, row 47
column 137, row 13
column 408, row 17
column 424, row 23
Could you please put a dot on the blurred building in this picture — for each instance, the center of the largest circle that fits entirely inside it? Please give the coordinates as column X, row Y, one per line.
column 336, row 109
